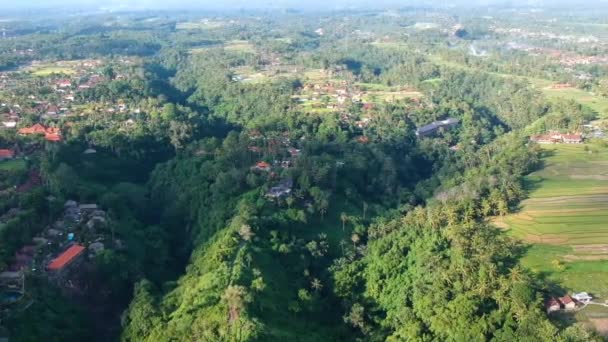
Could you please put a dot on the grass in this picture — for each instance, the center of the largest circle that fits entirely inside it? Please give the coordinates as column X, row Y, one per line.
column 576, row 276
column 315, row 75
column 13, row 165
column 239, row 46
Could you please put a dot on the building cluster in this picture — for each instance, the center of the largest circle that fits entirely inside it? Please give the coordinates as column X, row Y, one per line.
column 557, row 138
column 523, row 33
column 567, row 302
column 52, row 134
column 568, row 59
column 281, row 146
column 331, row 95
column 59, row 251
column 62, row 101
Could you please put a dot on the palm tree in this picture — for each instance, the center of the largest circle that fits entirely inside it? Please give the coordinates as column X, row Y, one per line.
column 355, row 239
column 342, row 243
column 344, row 218
column 316, row 284
column 246, row 233
column 486, row 207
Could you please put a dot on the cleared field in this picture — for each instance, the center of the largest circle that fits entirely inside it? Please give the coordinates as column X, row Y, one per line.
column 50, row 70
column 565, row 218
column 391, row 96
column 388, row 45
column 233, row 45
column 240, row 46
column 200, row 25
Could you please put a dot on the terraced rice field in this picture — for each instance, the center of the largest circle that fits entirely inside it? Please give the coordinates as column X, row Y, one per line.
column 565, row 218
column 568, row 198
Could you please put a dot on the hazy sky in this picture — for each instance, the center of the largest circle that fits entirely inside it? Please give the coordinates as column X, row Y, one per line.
column 305, row 4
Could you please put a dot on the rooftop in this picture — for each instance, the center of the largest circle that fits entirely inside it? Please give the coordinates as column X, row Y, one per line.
column 66, row 257
column 436, row 125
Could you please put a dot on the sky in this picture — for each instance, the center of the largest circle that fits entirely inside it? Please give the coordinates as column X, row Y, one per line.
column 249, row 4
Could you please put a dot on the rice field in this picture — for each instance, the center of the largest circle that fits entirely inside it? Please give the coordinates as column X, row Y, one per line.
column 565, row 218
column 568, row 198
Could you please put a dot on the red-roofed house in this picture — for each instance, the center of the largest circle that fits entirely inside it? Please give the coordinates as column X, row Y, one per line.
column 568, row 302
column 36, row 129
column 6, row 154
column 556, row 138
column 363, row 139
column 262, row 166
column 552, row 305
column 294, row 152
column 67, row 258
column 50, row 133
column 572, row 138
column 64, row 83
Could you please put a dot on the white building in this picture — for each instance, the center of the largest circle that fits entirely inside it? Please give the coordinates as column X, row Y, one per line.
column 582, row 297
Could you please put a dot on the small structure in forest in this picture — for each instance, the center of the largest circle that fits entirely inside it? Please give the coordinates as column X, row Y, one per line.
column 436, row 126
column 281, row 189
column 261, row 166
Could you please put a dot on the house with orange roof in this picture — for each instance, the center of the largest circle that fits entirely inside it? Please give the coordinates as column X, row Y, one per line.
column 261, row 166
column 35, row 129
column 50, row 133
column 6, row 154
column 65, row 260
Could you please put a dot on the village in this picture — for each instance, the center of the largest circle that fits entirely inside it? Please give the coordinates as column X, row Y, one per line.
column 63, row 86
column 38, row 103
column 58, row 253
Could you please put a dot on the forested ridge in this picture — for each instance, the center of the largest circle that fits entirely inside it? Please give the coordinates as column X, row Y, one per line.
column 303, row 205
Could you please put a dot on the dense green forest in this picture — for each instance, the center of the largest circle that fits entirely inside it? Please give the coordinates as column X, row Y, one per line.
column 265, row 179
